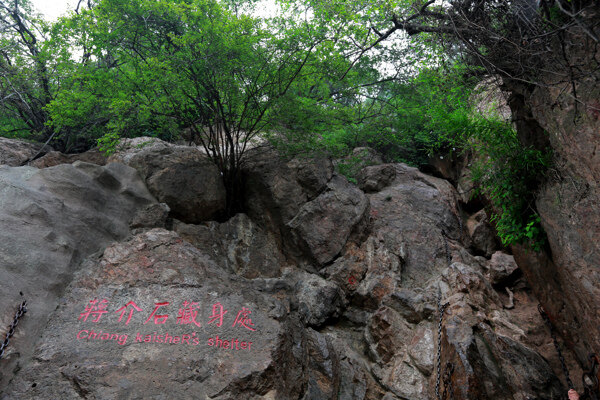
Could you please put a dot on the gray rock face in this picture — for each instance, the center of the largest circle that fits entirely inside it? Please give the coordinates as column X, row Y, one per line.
column 154, row 301
column 239, row 245
column 323, row 380
column 485, row 348
column 15, row 152
column 53, row 158
column 319, row 299
column 374, row 178
column 276, row 189
column 324, row 224
column 394, row 275
column 128, row 148
column 483, row 236
column 501, row 267
column 151, row 216
column 50, row 220
column 367, row 156
column 566, row 280
column 183, row 178
column 143, row 319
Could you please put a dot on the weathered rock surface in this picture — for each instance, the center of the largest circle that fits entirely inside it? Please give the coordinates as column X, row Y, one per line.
column 276, row 189
column 323, row 225
column 150, row 303
column 50, row 220
column 485, row 348
column 15, row 152
column 53, row 158
column 500, row 268
column 367, row 155
column 374, row 178
column 319, row 300
column 152, row 216
column 128, row 148
column 483, row 236
column 239, row 245
column 330, row 294
column 310, row 208
column 567, row 119
column 395, row 275
column 182, row 177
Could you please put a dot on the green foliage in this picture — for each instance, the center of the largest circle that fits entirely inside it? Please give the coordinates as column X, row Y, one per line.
column 308, row 80
column 431, row 115
column 351, row 165
column 404, row 121
column 508, row 174
column 108, row 143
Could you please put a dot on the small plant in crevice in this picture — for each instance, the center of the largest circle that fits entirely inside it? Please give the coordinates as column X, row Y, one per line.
column 107, row 144
column 508, row 174
column 353, row 164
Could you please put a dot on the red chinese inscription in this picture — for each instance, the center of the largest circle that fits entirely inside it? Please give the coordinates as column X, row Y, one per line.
column 243, row 319
column 217, row 314
column 187, row 314
column 94, row 308
column 158, row 319
column 124, row 308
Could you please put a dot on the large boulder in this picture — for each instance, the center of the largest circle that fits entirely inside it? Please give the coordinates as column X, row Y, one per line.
column 392, row 281
column 127, row 148
column 324, row 225
column 53, row 158
column 238, row 245
column 319, row 300
column 374, row 178
column 483, row 236
column 277, row 189
column 155, row 318
column 14, row 152
column 182, row 177
column 50, row 220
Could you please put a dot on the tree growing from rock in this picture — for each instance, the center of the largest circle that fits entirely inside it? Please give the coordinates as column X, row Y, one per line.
column 198, row 66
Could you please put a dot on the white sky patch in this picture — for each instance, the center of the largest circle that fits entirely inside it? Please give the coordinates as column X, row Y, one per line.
column 52, row 9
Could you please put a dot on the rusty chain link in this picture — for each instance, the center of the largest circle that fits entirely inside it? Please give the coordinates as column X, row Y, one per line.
column 448, row 390
column 11, row 329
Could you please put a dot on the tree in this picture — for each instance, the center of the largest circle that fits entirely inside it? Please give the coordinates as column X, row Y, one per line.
column 521, row 40
column 25, row 86
column 164, row 66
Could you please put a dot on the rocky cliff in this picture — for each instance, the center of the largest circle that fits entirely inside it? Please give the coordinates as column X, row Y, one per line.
column 564, row 116
column 321, row 290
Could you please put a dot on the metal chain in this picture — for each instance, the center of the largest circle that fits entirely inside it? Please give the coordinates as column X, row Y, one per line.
column 446, row 249
column 590, row 379
column 448, row 389
column 441, row 309
column 11, row 329
column 560, row 356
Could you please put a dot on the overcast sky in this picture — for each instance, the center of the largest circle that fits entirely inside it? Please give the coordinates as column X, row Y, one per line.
column 53, row 9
